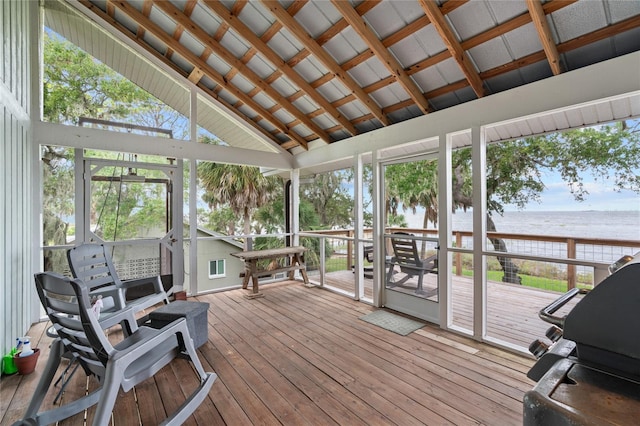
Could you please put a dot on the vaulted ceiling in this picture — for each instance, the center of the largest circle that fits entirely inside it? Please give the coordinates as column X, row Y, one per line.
column 300, row 71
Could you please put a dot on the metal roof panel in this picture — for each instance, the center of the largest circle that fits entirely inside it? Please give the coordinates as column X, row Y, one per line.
column 256, row 17
column 344, row 46
column 523, row 41
column 621, row 10
column 578, row 19
column 235, row 44
column 204, row 18
column 284, row 44
column 369, row 72
column 384, row 19
column 317, row 17
column 490, row 54
column 309, row 69
column 504, row 11
column 470, row 19
column 261, row 66
column 191, row 43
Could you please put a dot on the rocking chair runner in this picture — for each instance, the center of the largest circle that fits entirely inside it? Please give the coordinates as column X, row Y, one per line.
column 137, row 357
column 406, row 256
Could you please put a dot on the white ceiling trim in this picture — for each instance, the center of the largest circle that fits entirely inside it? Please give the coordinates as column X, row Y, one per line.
column 83, row 137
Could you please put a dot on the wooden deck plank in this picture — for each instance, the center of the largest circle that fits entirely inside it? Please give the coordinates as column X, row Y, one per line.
column 274, row 367
column 302, row 356
column 384, row 354
column 307, row 378
column 435, row 411
column 330, row 357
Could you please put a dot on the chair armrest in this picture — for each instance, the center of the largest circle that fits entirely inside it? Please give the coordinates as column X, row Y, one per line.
column 109, row 319
column 113, row 298
column 147, row 338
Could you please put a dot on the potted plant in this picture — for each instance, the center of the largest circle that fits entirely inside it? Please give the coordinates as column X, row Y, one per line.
column 26, row 359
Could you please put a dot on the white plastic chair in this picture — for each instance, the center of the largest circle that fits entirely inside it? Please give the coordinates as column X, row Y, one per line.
column 93, row 265
column 136, row 358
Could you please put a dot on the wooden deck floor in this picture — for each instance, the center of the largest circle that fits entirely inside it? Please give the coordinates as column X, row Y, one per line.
column 301, row 356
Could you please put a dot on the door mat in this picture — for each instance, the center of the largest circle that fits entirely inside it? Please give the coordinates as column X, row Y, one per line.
column 392, row 322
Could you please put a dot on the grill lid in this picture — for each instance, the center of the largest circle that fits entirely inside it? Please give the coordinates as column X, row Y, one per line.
column 605, row 325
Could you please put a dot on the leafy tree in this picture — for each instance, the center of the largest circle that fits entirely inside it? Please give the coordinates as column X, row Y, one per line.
column 223, row 220
column 413, row 185
column 242, row 188
column 76, row 85
column 330, row 199
column 516, row 170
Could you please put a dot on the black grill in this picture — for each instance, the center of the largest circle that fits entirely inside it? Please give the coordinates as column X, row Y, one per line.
column 590, row 373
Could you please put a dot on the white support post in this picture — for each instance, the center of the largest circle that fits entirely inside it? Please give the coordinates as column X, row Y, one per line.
column 295, row 207
column 444, row 230
column 80, row 188
column 35, row 69
column 479, row 165
column 358, row 225
column 193, row 197
column 378, row 231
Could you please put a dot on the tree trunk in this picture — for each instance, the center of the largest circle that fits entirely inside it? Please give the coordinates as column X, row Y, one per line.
column 423, row 246
column 248, row 244
column 509, row 268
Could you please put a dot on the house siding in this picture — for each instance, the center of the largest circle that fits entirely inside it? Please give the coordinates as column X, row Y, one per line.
column 16, row 183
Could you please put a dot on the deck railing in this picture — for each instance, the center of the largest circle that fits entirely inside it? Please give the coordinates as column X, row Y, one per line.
column 571, row 259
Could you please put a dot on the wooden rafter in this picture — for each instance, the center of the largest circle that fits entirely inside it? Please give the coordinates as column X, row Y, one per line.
column 177, row 33
column 312, row 46
column 146, row 10
column 213, row 93
column 201, row 35
column 544, row 33
column 436, row 17
column 401, row 34
column 158, row 32
column 281, row 65
column 382, row 53
column 258, row 115
column 494, row 32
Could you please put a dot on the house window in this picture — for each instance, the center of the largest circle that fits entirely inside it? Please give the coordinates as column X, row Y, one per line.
column 216, row 268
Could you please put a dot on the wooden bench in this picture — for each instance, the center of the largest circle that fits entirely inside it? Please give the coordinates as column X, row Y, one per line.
column 295, row 255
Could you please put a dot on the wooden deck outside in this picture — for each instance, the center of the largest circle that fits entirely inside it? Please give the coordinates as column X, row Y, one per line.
column 512, row 310
column 301, row 356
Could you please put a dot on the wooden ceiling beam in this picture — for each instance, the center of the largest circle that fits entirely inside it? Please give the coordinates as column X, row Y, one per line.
column 280, row 65
column 146, row 10
column 312, row 46
column 158, row 32
column 336, row 28
column 382, row 53
column 212, row 93
column 544, row 33
column 576, row 43
column 494, row 32
column 177, row 33
column 436, row 17
column 201, row 35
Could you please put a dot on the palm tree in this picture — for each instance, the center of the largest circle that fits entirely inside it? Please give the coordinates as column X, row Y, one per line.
column 242, row 188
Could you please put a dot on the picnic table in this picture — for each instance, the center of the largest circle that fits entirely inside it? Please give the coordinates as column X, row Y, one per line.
column 295, row 255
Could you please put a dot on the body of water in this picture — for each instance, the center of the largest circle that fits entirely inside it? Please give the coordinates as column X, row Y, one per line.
column 616, row 225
